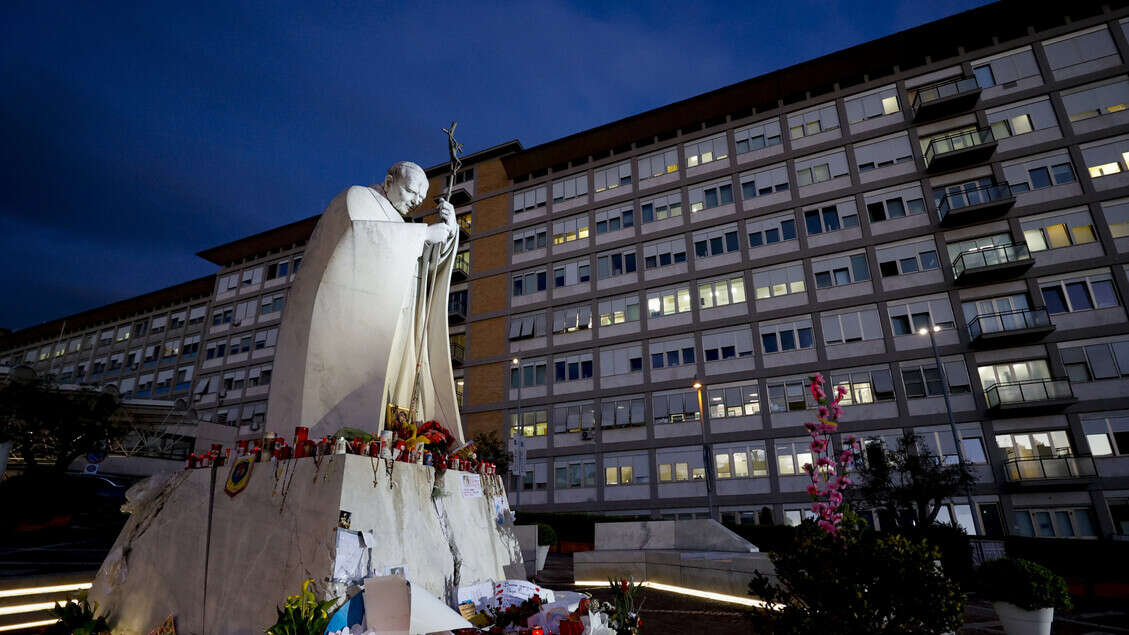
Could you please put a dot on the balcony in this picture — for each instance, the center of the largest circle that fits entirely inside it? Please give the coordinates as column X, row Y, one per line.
column 458, row 355
column 456, row 309
column 464, row 227
column 975, row 205
column 461, row 271
column 959, row 150
column 992, row 263
column 1042, row 394
column 1009, row 327
column 945, row 98
column 1050, row 467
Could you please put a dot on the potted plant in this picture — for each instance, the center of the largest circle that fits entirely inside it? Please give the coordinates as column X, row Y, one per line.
column 1025, row 594
column 546, row 537
column 303, row 614
column 79, row 618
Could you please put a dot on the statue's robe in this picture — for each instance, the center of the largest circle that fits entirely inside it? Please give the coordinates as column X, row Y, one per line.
column 370, row 293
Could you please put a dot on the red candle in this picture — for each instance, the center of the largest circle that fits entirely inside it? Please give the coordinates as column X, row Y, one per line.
column 301, row 433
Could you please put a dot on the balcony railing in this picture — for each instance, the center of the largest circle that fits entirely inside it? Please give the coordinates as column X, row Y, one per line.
column 1001, row 259
column 975, row 204
column 456, row 309
column 461, row 270
column 458, row 354
column 1030, row 393
column 959, row 149
column 945, row 97
column 1051, row 467
column 1010, row 323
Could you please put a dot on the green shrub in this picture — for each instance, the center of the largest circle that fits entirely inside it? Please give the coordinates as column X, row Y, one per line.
column 546, row 535
column 303, row 614
column 1023, row 583
column 78, row 618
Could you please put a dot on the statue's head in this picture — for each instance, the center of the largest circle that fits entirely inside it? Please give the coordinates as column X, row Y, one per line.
column 405, row 186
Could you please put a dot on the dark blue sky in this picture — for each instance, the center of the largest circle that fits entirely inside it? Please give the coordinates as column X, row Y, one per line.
column 135, row 135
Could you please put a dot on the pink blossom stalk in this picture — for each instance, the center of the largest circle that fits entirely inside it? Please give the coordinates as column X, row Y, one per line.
column 828, row 472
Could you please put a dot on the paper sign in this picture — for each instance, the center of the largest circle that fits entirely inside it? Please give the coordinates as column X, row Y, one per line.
column 513, row 592
column 472, row 486
column 481, row 594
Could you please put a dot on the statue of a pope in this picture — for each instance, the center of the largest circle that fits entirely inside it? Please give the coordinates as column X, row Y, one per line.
column 369, row 302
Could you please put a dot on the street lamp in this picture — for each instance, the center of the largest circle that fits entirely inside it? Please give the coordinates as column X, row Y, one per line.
column 931, row 332
column 518, row 440
column 706, row 454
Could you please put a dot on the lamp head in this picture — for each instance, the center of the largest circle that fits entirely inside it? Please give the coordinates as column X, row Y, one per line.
column 697, row 385
column 515, row 361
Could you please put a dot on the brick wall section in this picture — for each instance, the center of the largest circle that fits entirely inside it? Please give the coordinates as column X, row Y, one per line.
column 491, row 213
column 489, row 253
column 488, row 294
column 479, row 422
column 487, row 338
column 485, row 384
column 490, row 176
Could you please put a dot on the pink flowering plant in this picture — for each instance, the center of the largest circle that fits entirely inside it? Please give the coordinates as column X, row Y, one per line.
column 828, row 472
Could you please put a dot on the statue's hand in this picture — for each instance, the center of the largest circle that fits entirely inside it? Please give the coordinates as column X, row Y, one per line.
column 445, row 230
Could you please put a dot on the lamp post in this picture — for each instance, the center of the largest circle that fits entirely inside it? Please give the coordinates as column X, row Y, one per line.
column 706, row 454
column 931, row 332
column 518, row 440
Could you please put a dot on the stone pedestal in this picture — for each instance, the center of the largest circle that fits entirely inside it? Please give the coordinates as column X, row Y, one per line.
column 283, row 528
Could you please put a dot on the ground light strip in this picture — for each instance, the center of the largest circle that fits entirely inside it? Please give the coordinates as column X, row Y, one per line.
column 709, row 595
column 27, row 608
column 58, row 588
column 16, row 627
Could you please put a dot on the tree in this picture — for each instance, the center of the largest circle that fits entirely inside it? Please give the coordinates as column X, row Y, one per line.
column 909, row 482
column 489, row 447
column 49, row 424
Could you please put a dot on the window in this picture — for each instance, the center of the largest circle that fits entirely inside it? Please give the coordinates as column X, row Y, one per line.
column 820, row 169
column 669, row 301
column 658, row 164
column 626, row 469
column 662, row 207
column 228, row 282
column 771, row 231
column 1079, row 292
column 876, row 103
column 195, row 316
column 710, row 196
column 764, row 182
column 570, row 187
column 621, row 360
column 746, row 460
column 574, row 417
column 664, row 253
column 528, row 282
column 1055, row 522
column 267, row 338
column 841, row 270
column 1078, row 48
column 675, row 406
column 572, row 368
column 614, row 219
column 776, row 282
column 989, row 244
column 1013, row 372
column 852, row 326
column 252, row 276
column 526, row 240
column 830, row 218
column 532, row 374
column 984, row 77
column 738, row 400
column 526, row 326
column 1117, row 217
column 612, row 176
column 573, row 475
column 239, row 344
column 757, row 136
column 216, row 349
column 864, row 386
column 909, row 258
column 781, row 337
column 1035, row 174
column 1094, row 362
column 792, row 455
column 270, row 304
column 909, row 316
column 883, row 153
column 729, row 344
column 1096, row 100
column 716, row 241
column 1006, row 68
column 721, row 292
column 176, row 321
column 1107, row 434
column 529, row 200
column 572, row 319
column 706, row 150
column 813, row 121
column 894, row 204
column 621, row 412
column 922, row 379
column 960, row 195
column 619, row 310
column 298, row 262
column 610, row 265
column 682, row 464
column 672, row 352
column 1106, row 157
column 171, row 349
column 1034, row 445
column 789, row 394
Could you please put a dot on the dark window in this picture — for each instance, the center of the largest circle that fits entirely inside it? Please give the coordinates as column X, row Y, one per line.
column 1079, row 296
column 822, row 279
column 1040, row 177
column 1055, row 301
column 772, row 235
column 900, row 324
column 756, row 239
column 768, row 342
column 831, row 218
column 984, row 76
column 1063, row 173
column 787, row 340
column 888, row 268
column 877, row 212
column 811, row 220
column 895, row 208
column 805, row 337
column 859, row 268
column 788, row 228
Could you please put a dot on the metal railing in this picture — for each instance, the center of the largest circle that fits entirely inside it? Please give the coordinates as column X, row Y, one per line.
column 462, row 265
column 940, row 146
column 971, row 197
column 990, row 257
column 1032, row 391
column 1004, row 321
column 943, row 90
column 458, row 353
column 1041, row 468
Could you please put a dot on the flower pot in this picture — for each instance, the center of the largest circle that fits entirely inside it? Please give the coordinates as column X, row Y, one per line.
column 1017, row 621
column 542, row 553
